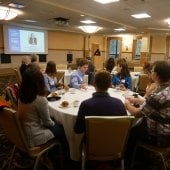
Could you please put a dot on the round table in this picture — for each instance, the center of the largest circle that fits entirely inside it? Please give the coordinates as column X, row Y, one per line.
column 67, row 116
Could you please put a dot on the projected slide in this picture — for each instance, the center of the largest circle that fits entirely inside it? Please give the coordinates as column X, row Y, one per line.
column 22, row 41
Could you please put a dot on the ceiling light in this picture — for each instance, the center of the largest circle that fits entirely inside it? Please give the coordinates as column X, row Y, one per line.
column 168, row 21
column 7, row 13
column 140, row 16
column 90, row 29
column 106, row 1
column 28, row 20
column 119, row 29
column 88, row 22
column 16, row 5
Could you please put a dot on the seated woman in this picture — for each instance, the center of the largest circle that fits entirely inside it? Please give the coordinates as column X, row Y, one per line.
column 76, row 80
column 34, row 111
column 150, row 89
column 156, row 110
column 122, row 78
column 152, row 86
column 34, row 114
column 50, row 77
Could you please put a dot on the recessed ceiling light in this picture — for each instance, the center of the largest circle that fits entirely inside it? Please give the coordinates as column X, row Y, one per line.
column 82, row 15
column 28, row 20
column 140, row 16
column 90, row 28
column 119, row 29
column 88, row 22
column 16, row 5
column 106, row 1
column 168, row 21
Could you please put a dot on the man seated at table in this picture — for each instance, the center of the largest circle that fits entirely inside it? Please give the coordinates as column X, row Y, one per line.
column 101, row 103
column 76, row 80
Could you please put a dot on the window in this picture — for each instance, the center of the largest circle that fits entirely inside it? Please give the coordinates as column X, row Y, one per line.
column 138, row 49
column 114, row 48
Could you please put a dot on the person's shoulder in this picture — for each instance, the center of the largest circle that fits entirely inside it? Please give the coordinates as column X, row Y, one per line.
column 115, row 100
column 41, row 99
column 87, row 102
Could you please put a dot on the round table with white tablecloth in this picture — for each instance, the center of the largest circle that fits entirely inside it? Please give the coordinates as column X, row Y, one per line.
column 67, row 115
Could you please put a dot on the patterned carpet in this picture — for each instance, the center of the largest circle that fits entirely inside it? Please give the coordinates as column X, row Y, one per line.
column 20, row 161
column 143, row 160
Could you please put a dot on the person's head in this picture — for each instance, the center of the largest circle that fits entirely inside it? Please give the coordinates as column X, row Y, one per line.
column 161, row 72
column 102, row 80
column 34, row 58
column 25, row 60
column 110, row 63
column 51, row 68
column 32, row 84
column 122, row 67
column 147, row 67
column 83, row 65
column 88, row 58
column 32, row 35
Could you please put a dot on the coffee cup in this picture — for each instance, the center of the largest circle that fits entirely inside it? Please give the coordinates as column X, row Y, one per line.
column 72, row 90
column 75, row 103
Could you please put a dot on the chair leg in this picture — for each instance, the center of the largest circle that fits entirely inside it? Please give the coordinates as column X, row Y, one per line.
column 122, row 164
column 162, row 157
column 36, row 162
column 83, row 161
column 133, row 158
column 11, row 157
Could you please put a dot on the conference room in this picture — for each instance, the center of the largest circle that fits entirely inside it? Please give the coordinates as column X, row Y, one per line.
column 67, row 31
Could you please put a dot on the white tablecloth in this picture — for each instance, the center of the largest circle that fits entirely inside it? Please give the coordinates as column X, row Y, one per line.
column 135, row 79
column 67, row 116
column 67, row 76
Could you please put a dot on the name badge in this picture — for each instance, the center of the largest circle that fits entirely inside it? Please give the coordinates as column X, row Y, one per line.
column 52, row 83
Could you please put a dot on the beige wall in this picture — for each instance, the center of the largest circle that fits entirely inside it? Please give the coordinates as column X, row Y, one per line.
column 62, row 43
column 59, row 45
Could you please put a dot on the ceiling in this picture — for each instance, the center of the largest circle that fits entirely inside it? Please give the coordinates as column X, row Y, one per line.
column 108, row 16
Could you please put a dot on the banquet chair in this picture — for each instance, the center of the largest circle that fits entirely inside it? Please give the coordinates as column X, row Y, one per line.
column 11, row 124
column 60, row 76
column 142, row 84
column 162, row 152
column 8, row 76
column 61, row 66
column 138, row 69
column 12, row 93
column 106, row 138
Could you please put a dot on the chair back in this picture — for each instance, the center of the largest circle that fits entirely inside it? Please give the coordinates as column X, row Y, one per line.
column 8, row 76
column 106, row 136
column 61, row 66
column 142, row 84
column 138, row 69
column 12, row 93
column 10, row 123
column 60, row 76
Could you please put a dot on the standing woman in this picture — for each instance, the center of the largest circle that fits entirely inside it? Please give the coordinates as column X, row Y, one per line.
column 34, row 111
column 122, row 78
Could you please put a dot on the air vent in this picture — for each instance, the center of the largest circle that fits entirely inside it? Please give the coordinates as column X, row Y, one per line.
column 60, row 21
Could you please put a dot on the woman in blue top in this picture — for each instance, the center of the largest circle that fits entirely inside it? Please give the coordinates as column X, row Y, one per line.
column 50, row 79
column 122, row 78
